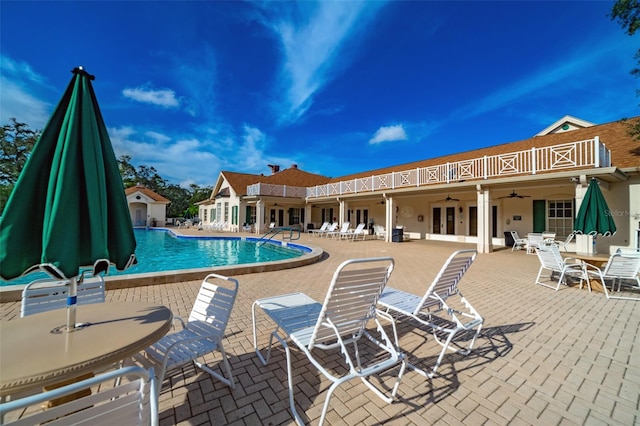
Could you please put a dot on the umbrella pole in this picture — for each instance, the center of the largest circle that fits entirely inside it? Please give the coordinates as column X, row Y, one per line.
column 72, row 302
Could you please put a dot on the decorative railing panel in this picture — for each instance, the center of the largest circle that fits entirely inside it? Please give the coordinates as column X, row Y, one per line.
column 586, row 153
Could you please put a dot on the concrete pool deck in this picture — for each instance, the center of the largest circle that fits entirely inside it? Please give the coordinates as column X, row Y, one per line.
column 544, row 358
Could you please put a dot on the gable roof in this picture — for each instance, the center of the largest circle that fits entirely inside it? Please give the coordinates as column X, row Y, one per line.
column 625, row 149
column 238, row 181
column 565, row 124
column 146, row 191
column 295, row 177
column 292, row 176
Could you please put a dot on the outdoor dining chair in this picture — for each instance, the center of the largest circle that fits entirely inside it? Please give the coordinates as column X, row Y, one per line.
column 339, row 325
column 131, row 401
column 552, row 262
column 518, row 242
column 428, row 310
column 45, row 294
column 200, row 335
column 621, row 269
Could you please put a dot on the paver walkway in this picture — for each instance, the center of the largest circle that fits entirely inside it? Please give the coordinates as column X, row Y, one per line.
column 544, row 357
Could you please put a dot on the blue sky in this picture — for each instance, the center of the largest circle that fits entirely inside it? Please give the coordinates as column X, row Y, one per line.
column 336, row 87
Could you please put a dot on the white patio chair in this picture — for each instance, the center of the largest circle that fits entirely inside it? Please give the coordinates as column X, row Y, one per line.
column 552, row 262
column 621, row 269
column 133, row 401
column 430, row 309
column 45, row 295
column 379, row 232
column 317, row 232
column 534, row 240
column 565, row 244
column 200, row 335
column 341, row 320
column 518, row 242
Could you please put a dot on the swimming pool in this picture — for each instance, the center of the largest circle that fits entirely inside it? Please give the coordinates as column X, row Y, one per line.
column 160, row 250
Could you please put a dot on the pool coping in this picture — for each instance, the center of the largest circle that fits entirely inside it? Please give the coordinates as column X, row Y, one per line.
column 14, row 293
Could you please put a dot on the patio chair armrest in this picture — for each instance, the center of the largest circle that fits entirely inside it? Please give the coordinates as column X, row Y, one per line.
column 180, row 320
column 387, row 316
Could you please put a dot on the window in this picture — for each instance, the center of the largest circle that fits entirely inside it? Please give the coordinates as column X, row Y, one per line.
column 204, row 214
column 219, row 212
column 251, row 215
column 234, row 215
column 213, row 214
column 295, row 216
column 560, row 217
column 226, row 212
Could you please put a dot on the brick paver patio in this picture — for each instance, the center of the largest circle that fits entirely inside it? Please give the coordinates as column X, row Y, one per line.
column 544, row 358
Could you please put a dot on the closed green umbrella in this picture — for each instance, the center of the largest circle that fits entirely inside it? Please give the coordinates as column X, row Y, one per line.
column 68, row 208
column 594, row 216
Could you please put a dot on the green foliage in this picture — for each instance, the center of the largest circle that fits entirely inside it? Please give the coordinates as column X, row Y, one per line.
column 16, row 142
column 182, row 200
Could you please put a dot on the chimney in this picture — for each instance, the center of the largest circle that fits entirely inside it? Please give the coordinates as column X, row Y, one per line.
column 294, row 166
column 274, row 168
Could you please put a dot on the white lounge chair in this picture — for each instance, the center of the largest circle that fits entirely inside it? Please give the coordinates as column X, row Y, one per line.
column 201, row 335
column 428, row 310
column 45, row 295
column 341, row 320
column 331, row 228
column 133, row 401
column 358, row 232
column 379, row 232
column 552, row 262
column 336, row 234
column 317, row 232
column 621, row 269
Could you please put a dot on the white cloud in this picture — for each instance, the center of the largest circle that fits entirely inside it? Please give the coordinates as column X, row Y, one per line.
column 312, row 38
column 165, row 98
column 159, row 137
column 20, row 98
column 389, row 134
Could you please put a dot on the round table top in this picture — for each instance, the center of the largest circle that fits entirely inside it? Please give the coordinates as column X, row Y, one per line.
column 587, row 257
column 36, row 350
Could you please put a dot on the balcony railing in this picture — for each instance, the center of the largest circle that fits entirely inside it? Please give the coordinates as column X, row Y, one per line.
column 579, row 154
column 266, row 189
column 535, row 160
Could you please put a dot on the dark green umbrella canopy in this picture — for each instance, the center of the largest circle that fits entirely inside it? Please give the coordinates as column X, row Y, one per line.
column 594, row 216
column 68, row 207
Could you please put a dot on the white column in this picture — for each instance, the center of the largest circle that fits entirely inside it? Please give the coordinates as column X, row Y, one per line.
column 259, row 225
column 390, row 211
column 484, row 221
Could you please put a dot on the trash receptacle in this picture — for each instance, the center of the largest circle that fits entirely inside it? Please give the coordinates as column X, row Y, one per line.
column 508, row 239
column 397, row 235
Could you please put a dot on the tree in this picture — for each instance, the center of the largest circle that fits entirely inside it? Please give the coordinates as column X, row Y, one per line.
column 16, row 142
column 627, row 12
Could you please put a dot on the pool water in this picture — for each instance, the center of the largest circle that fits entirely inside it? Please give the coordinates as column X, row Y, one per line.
column 161, row 250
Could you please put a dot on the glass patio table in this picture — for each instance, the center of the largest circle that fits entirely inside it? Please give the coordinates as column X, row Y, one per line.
column 37, row 351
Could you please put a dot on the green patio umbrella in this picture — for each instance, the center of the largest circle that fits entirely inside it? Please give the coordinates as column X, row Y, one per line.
column 594, row 216
column 68, row 209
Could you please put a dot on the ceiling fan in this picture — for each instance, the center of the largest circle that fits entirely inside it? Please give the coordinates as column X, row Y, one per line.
column 449, row 198
column 514, row 194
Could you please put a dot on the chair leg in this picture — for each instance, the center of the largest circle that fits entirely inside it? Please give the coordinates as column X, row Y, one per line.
column 226, row 366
